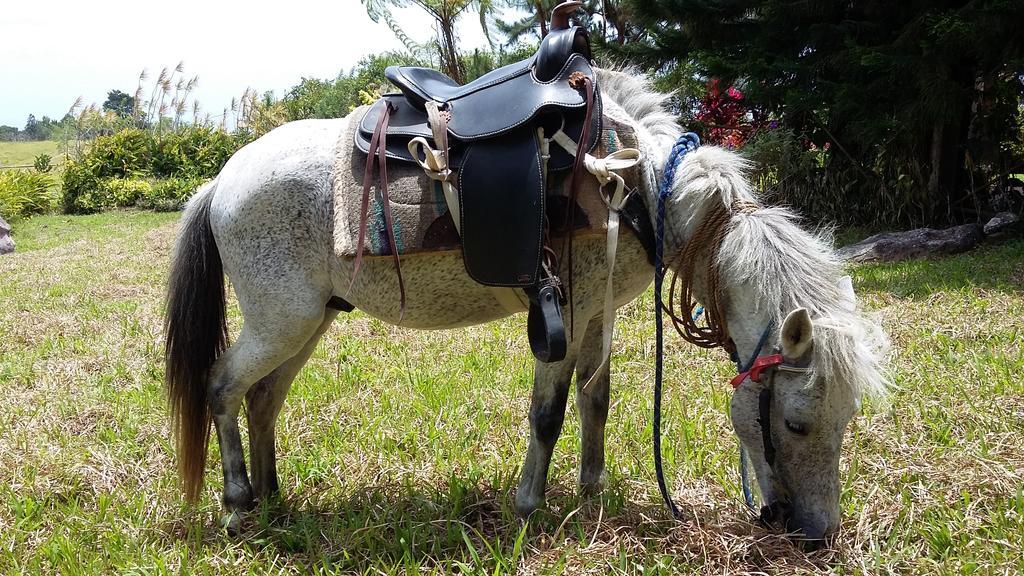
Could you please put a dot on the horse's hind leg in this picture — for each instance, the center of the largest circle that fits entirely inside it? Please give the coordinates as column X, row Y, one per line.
column 547, row 412
column 263, row 403
column 592, row 394
column 271, row 335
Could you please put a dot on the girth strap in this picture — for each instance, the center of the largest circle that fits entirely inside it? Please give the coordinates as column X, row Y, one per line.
column 603, row 169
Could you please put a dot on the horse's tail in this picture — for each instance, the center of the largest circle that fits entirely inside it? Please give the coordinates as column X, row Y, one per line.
column 196, row 330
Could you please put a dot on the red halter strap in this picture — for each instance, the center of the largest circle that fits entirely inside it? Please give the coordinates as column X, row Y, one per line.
column 754, row 373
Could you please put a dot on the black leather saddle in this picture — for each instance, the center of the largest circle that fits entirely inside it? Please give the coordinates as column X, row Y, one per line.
column 494, row 150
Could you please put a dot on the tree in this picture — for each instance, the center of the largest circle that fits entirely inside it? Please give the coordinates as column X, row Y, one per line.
column 445, row 13
column 607, row 20
column 914, row 97
column 119, row 103
column 31, row 130
column 8, row 133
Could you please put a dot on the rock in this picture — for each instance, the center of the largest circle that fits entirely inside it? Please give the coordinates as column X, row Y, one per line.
column 6, row 242
column 897, row 246
column 1003, row 225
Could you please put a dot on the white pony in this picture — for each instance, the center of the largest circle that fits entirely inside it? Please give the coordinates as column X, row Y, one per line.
column 267, row 222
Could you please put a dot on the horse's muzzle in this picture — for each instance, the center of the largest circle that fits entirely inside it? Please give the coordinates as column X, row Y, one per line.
column 776, row 514
column 779, row 514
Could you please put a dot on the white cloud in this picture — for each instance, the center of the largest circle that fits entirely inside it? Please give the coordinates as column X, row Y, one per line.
column 53, row 52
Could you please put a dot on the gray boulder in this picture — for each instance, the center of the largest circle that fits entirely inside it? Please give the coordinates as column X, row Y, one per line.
column 1004, row 225
column 6, row 242
column 897, row 246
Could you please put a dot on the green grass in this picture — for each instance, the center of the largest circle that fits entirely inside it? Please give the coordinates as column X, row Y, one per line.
column 53, row 230
column 24, row 153
column 399, row 451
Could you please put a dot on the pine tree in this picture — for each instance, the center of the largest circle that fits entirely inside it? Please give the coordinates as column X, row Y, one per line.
column 918, row 90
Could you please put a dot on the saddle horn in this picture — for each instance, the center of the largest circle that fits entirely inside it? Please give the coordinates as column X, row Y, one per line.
column 560, row 14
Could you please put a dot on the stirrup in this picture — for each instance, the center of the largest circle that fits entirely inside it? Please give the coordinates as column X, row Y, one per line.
column 544, row 326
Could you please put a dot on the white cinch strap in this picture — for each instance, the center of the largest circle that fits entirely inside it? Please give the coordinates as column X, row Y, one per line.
column 604, row 170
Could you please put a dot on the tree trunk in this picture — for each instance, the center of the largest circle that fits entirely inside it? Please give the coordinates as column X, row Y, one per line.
column 935, row 177
column 449, row 53
column 542, row 18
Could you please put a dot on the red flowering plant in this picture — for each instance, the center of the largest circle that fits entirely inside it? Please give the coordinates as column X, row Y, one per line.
column 725, row 117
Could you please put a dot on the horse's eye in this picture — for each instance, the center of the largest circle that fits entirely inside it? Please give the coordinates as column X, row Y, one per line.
column 798, row 429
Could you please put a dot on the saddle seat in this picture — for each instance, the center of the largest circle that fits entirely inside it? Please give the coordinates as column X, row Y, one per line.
column 424, row 84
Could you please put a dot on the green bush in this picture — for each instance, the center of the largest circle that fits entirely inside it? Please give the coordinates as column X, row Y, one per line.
column 23, row 193
column 81, row 188
column 112, row 171
column 124, row 192
column 125, row 153
column 169, row 194
column 43, row 163
column 193, row 152
column 791, row 173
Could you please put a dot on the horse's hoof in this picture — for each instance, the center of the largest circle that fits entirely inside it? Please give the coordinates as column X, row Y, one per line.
column 593, row 485
column 526, row 505
column 232, row 523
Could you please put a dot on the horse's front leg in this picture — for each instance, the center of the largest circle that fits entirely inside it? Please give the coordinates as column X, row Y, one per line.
column 592, row 394
column 547, row 412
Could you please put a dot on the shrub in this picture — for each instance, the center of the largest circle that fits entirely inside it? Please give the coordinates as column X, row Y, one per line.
column 169, row 194
column 124, row 192
column 23, row 193
column 193, row 152
column 792, row 171
column 81, row 187
column 125, row 153
column 43, row 163
column 110, row 172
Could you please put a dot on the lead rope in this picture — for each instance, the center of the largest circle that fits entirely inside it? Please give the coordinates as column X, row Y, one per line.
column 748, row 496
column 686, row 143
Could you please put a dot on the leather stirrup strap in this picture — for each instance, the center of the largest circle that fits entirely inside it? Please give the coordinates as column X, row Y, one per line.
column 570, row 216
column 382, row 162
column 367, row 184
column 544, row 327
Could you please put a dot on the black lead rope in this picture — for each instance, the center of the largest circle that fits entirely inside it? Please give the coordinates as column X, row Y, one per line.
column 764, row 408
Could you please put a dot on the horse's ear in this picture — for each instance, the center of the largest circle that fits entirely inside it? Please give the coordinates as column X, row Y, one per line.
column 845, row 285
column 797, row 334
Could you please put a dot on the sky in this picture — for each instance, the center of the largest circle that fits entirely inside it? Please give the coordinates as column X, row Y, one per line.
column 55, row 51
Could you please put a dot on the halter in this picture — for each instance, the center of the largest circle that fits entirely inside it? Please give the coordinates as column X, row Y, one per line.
column 756, row 369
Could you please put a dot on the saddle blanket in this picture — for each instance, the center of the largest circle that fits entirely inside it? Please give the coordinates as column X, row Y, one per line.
column 422, row 221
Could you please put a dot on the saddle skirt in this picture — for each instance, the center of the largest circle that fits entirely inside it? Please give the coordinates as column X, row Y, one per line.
column 422, row 221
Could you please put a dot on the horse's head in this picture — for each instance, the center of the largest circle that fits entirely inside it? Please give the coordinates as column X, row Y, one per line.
column 791, row 423
column 791, row 414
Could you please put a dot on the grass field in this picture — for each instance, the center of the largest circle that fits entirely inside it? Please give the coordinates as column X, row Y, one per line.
column 24, row 153
column 399, row 451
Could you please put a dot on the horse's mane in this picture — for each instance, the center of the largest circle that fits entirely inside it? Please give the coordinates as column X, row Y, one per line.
column 787, row 268
column 646, row 107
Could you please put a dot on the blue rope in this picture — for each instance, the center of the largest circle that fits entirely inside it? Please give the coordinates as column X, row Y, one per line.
column 685, row 144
